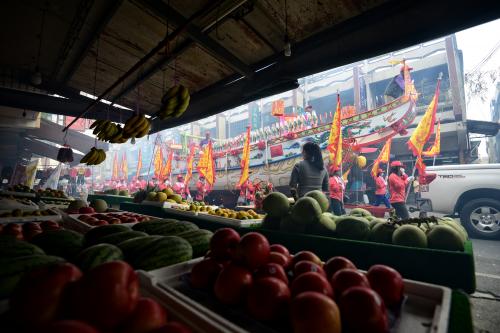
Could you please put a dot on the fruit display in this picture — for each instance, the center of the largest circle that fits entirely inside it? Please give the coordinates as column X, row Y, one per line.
column 10, row 203
column 27, row 213
column 60, row 298
column 233, row 214
column 115, row 191
column 50, row 193
column 309, row 216
column 301, row 292
column 174, row 103
column 21, row 188
column 27, row 230
column 106, row 130
column 165, row 195
column 94, row 157
column 99, row 205
column 111, row 218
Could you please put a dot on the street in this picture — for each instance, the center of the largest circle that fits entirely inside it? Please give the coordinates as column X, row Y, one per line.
column 486, row 300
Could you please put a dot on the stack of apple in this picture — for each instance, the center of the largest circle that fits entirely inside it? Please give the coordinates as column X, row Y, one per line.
column 112, row 218
column 300, row 290
column 26, row 231
column 60, row 299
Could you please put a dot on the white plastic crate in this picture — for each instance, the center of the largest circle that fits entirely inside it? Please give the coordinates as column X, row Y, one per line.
column 54, row 216
column 229, row 221
column 426, row 309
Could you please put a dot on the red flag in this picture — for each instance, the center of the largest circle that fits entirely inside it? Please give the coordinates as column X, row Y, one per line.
column 206, row 165
column 167, row 168
column 245, row 159
column 420, row 165
column 158, row 161
column 435, row 149
column 189, row 163
column 139, row 164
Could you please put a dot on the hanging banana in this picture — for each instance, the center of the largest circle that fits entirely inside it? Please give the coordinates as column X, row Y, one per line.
column 136, row 126
column 94, row 157
column 174, row 102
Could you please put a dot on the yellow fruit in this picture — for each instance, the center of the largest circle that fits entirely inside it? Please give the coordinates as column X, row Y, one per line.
column 161, row 197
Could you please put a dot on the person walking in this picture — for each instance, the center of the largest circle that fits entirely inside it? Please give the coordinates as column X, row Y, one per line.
column 381, row 190
column 337, row 188
column 398, row 180
column 310, row 173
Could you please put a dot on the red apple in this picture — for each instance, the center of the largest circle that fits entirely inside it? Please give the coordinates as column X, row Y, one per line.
column 29, row 234
column 363, row 310
column 172, row 327
column 253, row 250
column 335, row 264
column 204, row 273
column 305, row 266
column 223, row 243
column 73, row 326
column 306, row 255
column 31, row 226
column 147, row 316
column 232, row 284
column 100, row 222
column 86, row 210
column 271, row 270
column 347, row 278
column 40, row 293
column 268, row 299
column 313, row 312
column 280, row 259
column 105, row 296
column 311, row 281
column 83, row 217
column 114, row 220
column 49, row 225
column 280, row 248
column 387, row 282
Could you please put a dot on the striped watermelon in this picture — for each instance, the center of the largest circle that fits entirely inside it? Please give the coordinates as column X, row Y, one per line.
column 11, row 247
column 119, row 237
column 12, row 269
column 61, row 243
column 172, row 229
column 136, row 245
column 93, row 235
column 162, row 252
column 98, row 254
column 199, row 240
column 151, row 226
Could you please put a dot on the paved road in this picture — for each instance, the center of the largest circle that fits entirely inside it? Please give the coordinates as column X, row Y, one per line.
column 486, row 300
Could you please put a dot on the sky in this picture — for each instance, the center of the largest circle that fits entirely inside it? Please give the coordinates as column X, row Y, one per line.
column 476, row 43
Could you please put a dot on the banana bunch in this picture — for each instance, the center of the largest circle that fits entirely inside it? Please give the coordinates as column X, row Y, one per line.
column 174, row 102
column 136, row 127
column 94, row 157
column 106, row 130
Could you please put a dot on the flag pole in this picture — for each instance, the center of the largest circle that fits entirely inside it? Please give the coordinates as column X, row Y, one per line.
column 409, row 183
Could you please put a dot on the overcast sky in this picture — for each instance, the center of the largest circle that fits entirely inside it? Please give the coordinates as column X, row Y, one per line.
column 476, row 43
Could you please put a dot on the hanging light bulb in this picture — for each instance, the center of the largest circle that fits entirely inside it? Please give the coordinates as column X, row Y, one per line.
column 288, row 47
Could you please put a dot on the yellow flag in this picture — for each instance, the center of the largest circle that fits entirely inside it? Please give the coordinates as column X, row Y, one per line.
column 335, row 139
column 245, row 159
column 435, row 149
column 383, row 157
column 425, row 126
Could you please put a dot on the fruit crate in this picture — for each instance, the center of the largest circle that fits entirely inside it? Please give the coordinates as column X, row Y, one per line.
column 54, row 216
column 183, row 212
column 111, row 200
column 229, row 221
column 163, row 204
column 425, row 309
column 178, row 309
column 72, row 221
column 8, row 205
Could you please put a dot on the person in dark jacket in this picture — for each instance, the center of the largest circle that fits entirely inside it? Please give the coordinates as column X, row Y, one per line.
column 309, row 174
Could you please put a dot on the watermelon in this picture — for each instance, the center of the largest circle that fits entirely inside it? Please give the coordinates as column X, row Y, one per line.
column 97, row 254
column 12, row 269
column 172, row 229
column 135, row 245
column 11, row 247
column 162, row 252
column 199, row 240
column 93, row 235
column 61, row 243
column 119, row 237
column 151, row 226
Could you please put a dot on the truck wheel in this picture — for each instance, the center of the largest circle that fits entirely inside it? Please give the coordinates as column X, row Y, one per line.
column 481, row 218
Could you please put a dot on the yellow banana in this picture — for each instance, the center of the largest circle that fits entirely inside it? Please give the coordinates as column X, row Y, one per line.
column 95, row 123
column 170, row 93
column 183, row 93
column 182, row 107
column 144, row 131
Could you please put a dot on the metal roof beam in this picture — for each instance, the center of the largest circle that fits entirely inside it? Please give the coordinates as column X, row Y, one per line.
column 165, row 11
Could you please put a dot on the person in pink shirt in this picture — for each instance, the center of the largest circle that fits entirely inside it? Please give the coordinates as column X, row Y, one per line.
column 381, row 190
column 398, row 180
column 179, row 186
column 337, row 187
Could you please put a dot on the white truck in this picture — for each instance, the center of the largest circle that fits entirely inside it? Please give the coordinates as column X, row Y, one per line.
column 471, row 191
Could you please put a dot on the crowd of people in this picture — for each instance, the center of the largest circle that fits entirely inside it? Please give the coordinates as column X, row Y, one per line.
column 311, row 174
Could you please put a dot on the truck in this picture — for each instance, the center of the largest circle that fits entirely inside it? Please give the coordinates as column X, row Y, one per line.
column 469, row 191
